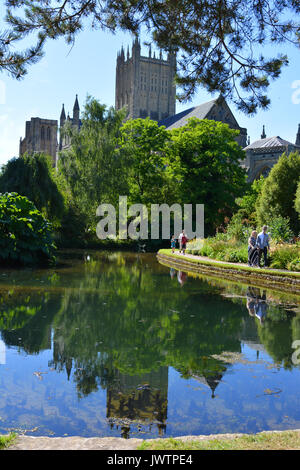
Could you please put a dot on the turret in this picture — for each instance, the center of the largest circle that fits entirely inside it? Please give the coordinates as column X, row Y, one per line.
column 62, row 116
column 136, row 48
column 76, row 111
column 298, row 136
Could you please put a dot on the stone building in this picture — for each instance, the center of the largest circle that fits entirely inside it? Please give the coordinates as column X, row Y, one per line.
column 40, row 136
column 64, row 139
column 264, row 153
column 145, row 85
column 217, row 110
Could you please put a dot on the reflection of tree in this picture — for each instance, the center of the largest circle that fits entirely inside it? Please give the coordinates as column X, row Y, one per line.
column 118, row 324
column 25, row 319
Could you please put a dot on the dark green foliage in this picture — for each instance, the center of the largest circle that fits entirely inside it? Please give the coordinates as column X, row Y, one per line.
column 205, row 163
column 279, row 191
column 91, row 167
column 219, row 44
column 297, row 200
column 25, row 235
column 32, row 176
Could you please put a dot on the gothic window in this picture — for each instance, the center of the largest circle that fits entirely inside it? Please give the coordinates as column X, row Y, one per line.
column 43, row 133
column 48, row 133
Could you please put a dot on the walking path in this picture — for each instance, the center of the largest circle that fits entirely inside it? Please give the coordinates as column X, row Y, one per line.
column 237, row 265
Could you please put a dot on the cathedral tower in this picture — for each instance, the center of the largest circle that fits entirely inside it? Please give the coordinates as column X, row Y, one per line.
column 145, row 85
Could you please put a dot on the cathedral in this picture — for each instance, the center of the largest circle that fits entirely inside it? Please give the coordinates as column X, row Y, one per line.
column 145, row 86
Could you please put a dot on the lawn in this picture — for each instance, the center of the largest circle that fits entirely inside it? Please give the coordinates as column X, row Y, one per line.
column 285, row 440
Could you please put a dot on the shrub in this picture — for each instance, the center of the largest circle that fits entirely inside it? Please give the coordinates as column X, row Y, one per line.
column 283, row 256
column 238, row 255
column 294, row 265
column 236, row 230
column 25, row 235
column 280, row 230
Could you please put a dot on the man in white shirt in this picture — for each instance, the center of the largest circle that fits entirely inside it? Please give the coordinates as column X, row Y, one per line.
column 262, row 242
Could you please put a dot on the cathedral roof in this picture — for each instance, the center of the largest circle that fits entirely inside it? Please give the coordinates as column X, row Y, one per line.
column 180, row 119
column 269, row 142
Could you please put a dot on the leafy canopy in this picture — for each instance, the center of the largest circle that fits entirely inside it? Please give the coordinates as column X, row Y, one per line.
column 25, row 235
column 205, row 162
column 220, row 44
column 279, row 190
column 33, row 176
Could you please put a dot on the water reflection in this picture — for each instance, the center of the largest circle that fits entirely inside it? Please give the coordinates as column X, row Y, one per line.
column 119, row 323
column 256, row 303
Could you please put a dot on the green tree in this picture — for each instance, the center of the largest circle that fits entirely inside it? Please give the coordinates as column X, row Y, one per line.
column 143, row 145
column 205, row 164
column 247, row 203
column 33, row 176
column 92, row 167
column 297, row 200
column 25, row 235
column 278, row 194
column 220, row 43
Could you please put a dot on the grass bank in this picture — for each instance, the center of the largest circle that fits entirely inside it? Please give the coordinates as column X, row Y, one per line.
column 6, row 441
column 284, row 440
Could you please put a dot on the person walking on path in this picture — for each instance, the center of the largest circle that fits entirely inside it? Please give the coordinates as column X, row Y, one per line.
column 182, row 242
column 173, row 244
column 263, row 244
column 253, row 250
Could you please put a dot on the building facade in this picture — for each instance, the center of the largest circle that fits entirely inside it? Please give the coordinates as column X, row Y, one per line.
column 64, row 138
column 40, row 136
column 145, row 85
column 264, row 153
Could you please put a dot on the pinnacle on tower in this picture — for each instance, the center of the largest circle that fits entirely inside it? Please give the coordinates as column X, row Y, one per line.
column 298, row 136
column 76, row 104
column 76, row 111
column 263, row 136
column 62, row 115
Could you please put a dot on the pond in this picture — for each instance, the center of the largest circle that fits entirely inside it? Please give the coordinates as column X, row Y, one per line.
column 116, row 344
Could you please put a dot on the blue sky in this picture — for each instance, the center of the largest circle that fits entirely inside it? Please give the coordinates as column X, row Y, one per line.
column 89, row 68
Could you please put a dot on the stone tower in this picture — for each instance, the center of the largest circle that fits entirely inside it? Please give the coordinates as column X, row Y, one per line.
column 64, row 140
column 145, row 85
column 40, row 136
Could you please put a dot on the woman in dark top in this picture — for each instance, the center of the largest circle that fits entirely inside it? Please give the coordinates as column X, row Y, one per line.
column 252, row 250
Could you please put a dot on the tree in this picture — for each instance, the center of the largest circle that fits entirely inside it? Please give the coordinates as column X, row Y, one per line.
column 278, row 194
column 247, row 203
column 205, row 162
column 25, row 235
column 33, row 176
column 91, row 167
column 297, row 200
column 220, row 43
column 143, row 144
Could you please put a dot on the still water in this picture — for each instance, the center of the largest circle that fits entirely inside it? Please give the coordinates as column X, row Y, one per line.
column 117, row 344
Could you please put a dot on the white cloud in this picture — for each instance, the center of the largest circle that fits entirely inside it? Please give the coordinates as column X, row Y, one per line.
column 296, row 94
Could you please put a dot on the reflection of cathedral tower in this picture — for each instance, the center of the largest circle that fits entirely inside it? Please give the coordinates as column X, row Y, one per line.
column 211, row 381
column 142, row 399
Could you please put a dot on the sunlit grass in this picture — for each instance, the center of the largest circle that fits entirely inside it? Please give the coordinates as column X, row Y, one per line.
column 6, row 441
column 285, row 440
